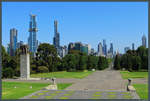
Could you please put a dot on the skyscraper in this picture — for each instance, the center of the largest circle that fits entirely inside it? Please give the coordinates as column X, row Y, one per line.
column 111, row 48
column 19, row 44
column 70, row 46
column 144, row 40
column 132, row 46
column 78, row 46
column 8, row 48
column 92, row 51
column 56, row 36
column 13, row 41
column 104, row 47
column 126, row 49
column 100, row 49
column 84, row 48
column 32, row 40
column 89, row 49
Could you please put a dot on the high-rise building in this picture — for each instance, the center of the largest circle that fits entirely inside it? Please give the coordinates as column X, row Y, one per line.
column 132, row 46
column 111, row 48
column 19, row 44
column 13, row 41
column 100, row 49
column 84, row 48
column 89, row 49
column 70, row 46
column 63, row 51
column 144, row 40
column 66, row 50
column 8, row 48
column 56, row 40
column 126, row 49
column 104, row 47
column 32, row 39
column 78, row 46
column 92, row 51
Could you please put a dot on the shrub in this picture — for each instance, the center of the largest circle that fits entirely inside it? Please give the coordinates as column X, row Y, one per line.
column 7, row 73
column 43, row 69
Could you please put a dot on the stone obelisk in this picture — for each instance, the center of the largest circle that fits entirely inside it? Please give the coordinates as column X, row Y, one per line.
column 24, row 62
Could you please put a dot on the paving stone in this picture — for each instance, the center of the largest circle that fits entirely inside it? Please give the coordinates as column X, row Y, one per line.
column 65, row 94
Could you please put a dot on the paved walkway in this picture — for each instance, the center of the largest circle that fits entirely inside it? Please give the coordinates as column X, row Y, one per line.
column 101, row 80
column 68, row 94
column 106, row 84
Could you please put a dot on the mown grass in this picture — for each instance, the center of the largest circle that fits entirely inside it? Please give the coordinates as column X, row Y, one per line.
column 62, row 74
column 127, row 74
column 142, row 90
column 23, row 88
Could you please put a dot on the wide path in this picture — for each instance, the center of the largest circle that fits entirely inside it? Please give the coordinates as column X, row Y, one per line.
column 106, row 84
column 101, row 80
column 79, row 94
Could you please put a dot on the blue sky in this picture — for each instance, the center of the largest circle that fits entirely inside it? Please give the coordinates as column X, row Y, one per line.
column 121, row 23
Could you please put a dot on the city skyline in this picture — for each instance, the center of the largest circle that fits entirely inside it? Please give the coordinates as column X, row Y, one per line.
column 94, row 40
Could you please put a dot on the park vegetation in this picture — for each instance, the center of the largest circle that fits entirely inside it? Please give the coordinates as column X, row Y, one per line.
column 47, row 60
column 132, row 60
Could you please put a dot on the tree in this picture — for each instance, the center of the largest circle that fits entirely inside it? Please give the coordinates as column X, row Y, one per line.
column 82, row 62
column 7, row 73
column 136, row 63
column 47, row 56
column 89, row 62
column 143, row 53
column 117, row 63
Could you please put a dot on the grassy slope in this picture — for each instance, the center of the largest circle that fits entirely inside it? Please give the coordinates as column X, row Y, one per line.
column 126, row 74
column 23, row 89
column 142, row 90
column 63, row 74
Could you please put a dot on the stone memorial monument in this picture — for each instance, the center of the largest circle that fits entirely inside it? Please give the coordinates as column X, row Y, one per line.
column 24, row 62
column 53, row 86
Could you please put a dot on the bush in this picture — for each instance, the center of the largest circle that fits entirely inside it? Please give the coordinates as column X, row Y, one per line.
column 43, row 69
column 7, row 73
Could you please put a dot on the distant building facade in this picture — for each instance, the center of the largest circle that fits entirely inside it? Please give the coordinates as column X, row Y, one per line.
column 79, row 46
column 100, row 49
column 133, row 46
column 84, row 48
column 89, row 49
column 126, row 49
column 70, row 46
column 8, row 48
column 104, row 47
column 19, row 44
column 144, row 40
column 111, row 48
column 92, row 51
column 13, row 41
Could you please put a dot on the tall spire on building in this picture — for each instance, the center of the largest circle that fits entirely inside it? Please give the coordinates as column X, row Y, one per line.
column 144, row 40
column 32, row 39
column 56, row 40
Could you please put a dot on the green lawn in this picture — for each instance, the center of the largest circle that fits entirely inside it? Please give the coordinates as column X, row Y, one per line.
column 142, row 90
column 63, row 74
column 23, row 89
column 127, row 74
